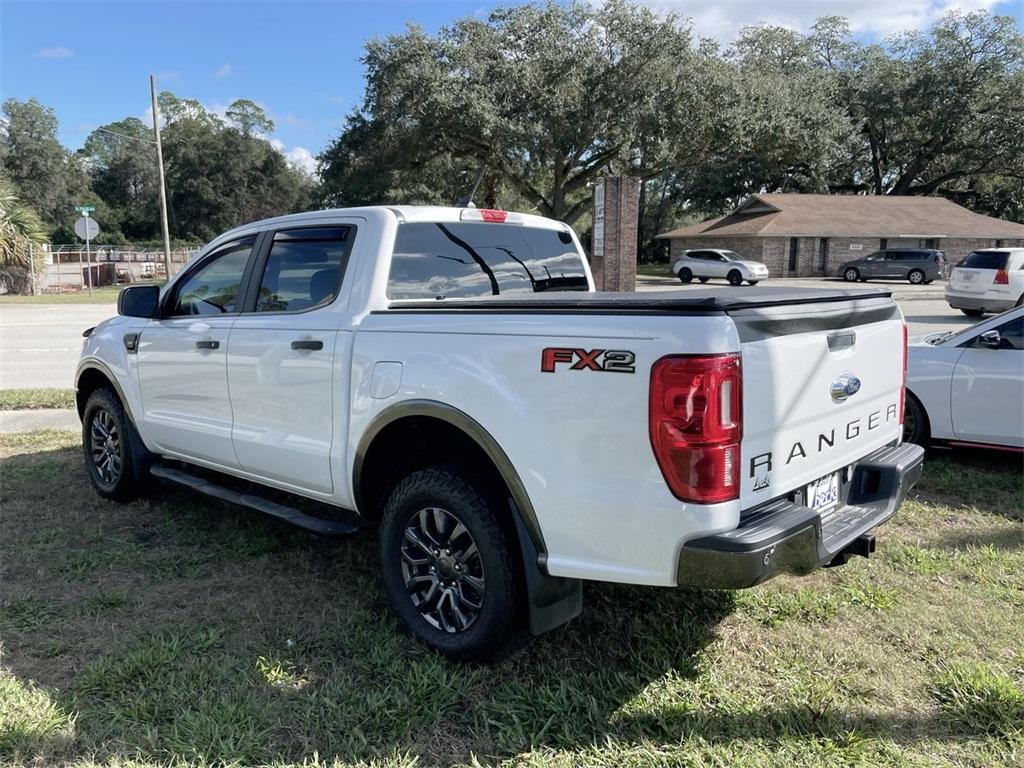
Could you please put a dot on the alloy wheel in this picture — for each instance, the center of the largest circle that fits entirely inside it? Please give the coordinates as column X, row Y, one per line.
column 442, row 569
column 105, row 446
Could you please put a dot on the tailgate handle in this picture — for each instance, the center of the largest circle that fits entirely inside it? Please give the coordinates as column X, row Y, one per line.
column 841, row 340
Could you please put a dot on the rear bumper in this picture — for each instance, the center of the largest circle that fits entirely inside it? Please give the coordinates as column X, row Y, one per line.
column 994, row 303
column 786, row 537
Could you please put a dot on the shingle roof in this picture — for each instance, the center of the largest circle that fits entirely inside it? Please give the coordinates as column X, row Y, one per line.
column 795, row 215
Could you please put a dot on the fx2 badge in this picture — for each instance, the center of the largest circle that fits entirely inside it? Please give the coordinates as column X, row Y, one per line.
column 607, row 360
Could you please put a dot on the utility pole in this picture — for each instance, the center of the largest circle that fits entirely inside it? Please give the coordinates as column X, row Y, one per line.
column 163, row 186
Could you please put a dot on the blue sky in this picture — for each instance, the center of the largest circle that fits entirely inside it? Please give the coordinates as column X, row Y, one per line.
column 90, row 61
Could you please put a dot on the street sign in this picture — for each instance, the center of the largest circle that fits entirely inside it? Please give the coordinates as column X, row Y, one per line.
column 85, row 209
column 87, row 228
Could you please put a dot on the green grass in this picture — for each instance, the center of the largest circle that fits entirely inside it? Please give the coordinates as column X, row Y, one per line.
column 175, row 631
column 106, row 294
column 653, row 270
column 21, row 399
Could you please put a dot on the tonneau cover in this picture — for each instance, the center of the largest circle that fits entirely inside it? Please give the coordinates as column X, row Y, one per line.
column 695, row 300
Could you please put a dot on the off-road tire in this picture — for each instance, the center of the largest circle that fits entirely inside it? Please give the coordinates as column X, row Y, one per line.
column 110, row 448
column 499, row 627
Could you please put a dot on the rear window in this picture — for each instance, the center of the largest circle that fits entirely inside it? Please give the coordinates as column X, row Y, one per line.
column 985, row 260
column 466, row 259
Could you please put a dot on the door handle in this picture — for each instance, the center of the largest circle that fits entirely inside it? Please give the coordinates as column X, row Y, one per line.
column 208, row 344
column 307, row 344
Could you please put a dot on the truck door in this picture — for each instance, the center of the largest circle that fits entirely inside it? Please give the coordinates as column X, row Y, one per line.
column 181, row 358
column 282, row 358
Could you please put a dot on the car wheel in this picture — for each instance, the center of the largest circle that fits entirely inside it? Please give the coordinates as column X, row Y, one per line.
column 686, row 274
column 447, row 562
column 734, row 277
column 851, row 275
column 753, row 282
column 107, row 437
column 915, row 422
column 915, row 277
column 703, row 279
column 973, row 312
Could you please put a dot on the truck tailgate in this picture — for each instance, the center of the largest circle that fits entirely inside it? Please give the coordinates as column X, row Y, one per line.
column 821, row 389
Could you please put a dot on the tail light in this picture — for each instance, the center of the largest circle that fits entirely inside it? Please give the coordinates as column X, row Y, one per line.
column 490, row 215
column 1002, row 277
column 696, row 424
column 903, row 387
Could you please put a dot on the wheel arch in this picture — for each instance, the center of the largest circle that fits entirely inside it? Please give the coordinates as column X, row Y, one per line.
column 924, row 412
column 374, row 470
column 92, row 375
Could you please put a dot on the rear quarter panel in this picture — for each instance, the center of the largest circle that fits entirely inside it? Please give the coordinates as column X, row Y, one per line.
column 577, row 438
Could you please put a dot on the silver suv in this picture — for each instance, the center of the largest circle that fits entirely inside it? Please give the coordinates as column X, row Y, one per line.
column 916, row 265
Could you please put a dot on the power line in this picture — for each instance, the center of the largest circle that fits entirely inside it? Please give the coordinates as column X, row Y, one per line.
column 125, row 136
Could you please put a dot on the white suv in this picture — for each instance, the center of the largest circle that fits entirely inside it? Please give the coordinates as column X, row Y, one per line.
column 706, row 263
column 989, row 280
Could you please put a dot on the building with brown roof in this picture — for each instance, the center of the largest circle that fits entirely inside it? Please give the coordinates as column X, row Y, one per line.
column 809, row 235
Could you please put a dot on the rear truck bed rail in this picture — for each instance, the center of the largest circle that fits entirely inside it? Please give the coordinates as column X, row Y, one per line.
column 784, row 536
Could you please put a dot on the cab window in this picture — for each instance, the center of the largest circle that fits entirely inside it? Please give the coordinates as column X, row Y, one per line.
column 213, row 288
column 304, row 269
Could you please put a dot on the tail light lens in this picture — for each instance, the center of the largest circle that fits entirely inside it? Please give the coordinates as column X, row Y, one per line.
column 903, row 388
column 1002, row 277
column 696, row 424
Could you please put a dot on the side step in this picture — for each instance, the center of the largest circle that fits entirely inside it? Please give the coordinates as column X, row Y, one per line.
column 258, row 503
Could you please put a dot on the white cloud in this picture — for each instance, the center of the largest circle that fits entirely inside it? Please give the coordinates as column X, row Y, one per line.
column 297, row 157
column 303, row 159
column 223, row 71
column 55, row 52
column 723, row 20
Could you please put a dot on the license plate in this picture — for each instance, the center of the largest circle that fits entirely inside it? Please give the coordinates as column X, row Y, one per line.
column 823, row 494
column 967, row 276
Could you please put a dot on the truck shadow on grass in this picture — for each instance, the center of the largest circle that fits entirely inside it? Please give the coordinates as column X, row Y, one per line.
column 176, row 630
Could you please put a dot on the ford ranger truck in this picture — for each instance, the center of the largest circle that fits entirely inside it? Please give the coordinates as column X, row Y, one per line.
column 450, row 377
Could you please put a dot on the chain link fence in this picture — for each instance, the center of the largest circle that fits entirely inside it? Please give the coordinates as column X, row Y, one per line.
column 67, row 267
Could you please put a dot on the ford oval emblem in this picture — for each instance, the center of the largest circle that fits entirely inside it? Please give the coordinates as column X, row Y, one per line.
column 843, row 386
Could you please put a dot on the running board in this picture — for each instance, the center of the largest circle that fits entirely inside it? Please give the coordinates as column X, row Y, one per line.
column 251, row 501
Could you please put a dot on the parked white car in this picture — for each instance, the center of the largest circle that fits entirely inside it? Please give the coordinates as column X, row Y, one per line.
column 989, row 280
column 707, row 263
column 968, row 387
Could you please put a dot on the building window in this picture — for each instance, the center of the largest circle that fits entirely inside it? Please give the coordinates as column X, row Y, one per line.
column 883, row 243
column 794, row 249
column 999, row 243
column 823, row 255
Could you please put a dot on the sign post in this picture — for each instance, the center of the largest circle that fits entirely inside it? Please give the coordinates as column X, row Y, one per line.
column 87, row 228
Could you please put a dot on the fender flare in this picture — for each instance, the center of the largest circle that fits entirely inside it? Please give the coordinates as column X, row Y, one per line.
column 523, row 508
column 95, row 364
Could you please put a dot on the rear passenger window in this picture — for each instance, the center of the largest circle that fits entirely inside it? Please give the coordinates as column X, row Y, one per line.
column 462, row 259
column 304, row 269
column 985, row 260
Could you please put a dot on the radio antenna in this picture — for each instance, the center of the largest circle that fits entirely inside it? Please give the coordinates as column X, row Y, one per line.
column 467, row 200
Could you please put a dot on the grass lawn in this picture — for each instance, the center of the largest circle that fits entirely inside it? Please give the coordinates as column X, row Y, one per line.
column 21, row 399
column 106, row 294
column 176, row 631
column 653, row 270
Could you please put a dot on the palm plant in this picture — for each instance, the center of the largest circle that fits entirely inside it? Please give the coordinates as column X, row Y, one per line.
column 21, row 230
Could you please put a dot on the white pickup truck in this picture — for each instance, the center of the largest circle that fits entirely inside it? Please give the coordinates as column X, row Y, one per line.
column 450, row 377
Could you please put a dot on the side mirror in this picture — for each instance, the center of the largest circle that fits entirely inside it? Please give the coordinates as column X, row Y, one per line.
column 139, row 301
column 991, row 339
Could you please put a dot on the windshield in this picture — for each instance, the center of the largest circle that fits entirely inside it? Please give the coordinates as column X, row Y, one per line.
column 467, row 259
column 985, row 260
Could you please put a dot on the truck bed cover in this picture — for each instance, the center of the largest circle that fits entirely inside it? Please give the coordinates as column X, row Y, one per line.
column 693, row 301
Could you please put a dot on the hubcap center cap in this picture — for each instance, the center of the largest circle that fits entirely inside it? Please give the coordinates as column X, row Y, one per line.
column 446, row 566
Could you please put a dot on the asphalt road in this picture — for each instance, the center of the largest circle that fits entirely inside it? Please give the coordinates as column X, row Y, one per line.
column 40, row 343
